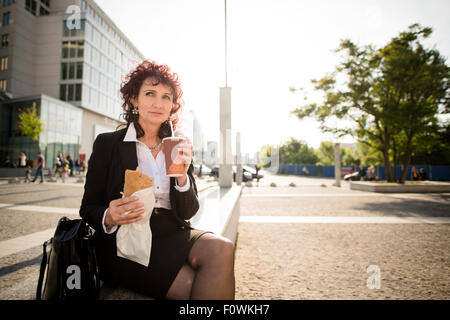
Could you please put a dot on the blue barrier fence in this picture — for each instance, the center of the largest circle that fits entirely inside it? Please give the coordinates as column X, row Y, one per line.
column 434, row 173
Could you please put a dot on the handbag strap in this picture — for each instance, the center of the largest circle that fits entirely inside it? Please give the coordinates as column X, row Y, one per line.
column 42, row 271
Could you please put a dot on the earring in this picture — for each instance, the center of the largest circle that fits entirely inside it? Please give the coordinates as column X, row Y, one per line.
column 135, row 110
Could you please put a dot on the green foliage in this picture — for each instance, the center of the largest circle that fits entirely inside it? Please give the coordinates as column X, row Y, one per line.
column 350, row 157
column 297, row 152
column 264, row 156
column 391, row 95
column 325, row 153
column 30, row 124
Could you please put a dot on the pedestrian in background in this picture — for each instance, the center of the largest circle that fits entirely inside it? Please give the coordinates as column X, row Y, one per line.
column 28, row 174
column 40, row 168
column 305, row 171
column 414, row 174
column 371, row 174
column 362, row 173
column 257, row 167
column 22, row 160
column 422, row 174
column 58, row 170
column 69, row 159
column 78, row 166
column 7, row 163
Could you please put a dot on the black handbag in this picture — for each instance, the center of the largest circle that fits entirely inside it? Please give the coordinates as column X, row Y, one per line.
column 70, row 272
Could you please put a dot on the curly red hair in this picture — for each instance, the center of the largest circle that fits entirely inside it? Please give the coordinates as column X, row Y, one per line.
column 132, row 84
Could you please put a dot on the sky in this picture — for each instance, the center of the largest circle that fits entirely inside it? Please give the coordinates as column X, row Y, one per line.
column 272, row 45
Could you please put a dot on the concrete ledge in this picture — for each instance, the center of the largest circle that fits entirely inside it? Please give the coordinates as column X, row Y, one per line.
column 219, row 211
column 421, row 187
column 20, row 172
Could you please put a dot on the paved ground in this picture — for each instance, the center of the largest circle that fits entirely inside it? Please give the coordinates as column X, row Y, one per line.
column 15, row 223
column 285, row 260
column 331, row 260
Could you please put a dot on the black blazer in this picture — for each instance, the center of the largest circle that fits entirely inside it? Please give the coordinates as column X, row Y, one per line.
column 106, row 175
column 104, row 182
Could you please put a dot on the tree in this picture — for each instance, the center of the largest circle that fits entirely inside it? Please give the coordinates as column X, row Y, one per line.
column 297, row 152
column 325, row 153
column 435, row 153
column 350, row 157
column 264, row 156
column 29, row 123
column 392, row 95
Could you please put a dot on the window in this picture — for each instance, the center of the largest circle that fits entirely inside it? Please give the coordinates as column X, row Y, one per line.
column 65, row 49
column 7, row 3
column 87, row 94
column 43, row 11
column 3, row 85
column 73, row 29
column 87, row 51
column 64, row 69
column 89, row 31
column 95, row 57
column 4, row 64
column 31, row 6
column 73, row 50
column 80, row 49
column 70, row 95
column 5, row 41
column 62, row 92
column 79, row 70
column 78, row 92
column 6, row 17
column 86, row 73
column 71, row 70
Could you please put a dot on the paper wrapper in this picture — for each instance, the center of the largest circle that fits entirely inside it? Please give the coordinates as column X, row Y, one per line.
column 134, row 240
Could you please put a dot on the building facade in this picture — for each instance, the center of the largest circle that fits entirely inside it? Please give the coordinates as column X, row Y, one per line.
column 56, row 53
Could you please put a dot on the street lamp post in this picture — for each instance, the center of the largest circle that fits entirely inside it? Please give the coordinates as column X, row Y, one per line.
column 225, row 169
column 337, row 165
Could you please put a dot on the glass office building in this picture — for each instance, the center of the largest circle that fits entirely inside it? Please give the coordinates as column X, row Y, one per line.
column 61, row 122
column 68, row 58
column 94, row 57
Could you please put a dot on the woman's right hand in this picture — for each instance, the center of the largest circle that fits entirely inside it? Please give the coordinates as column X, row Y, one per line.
column 115, row 215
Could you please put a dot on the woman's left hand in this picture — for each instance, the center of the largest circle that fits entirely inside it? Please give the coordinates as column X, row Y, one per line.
column 185, row 157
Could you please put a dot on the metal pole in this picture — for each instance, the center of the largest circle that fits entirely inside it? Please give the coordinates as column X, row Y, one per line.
column 226, row 67
column 337, row 165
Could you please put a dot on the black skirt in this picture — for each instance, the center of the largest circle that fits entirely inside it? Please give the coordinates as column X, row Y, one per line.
column 171, row 244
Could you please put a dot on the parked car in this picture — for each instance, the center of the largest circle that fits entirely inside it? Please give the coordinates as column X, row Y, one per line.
column 206, row 171
column 253, row 172
column 215, row 172
column 352, row 176
column 355, row 176
column 246, row 176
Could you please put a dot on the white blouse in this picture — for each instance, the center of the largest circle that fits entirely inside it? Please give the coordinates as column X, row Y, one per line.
column 155, row 169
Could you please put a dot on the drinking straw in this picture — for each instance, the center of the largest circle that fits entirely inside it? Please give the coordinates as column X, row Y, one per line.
column 171, row 126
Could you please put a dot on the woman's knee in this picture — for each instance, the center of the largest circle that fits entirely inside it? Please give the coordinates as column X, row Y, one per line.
column 213, row 250
column 227, row 249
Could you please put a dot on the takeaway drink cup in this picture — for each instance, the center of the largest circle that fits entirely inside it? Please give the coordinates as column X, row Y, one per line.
column 169, row 147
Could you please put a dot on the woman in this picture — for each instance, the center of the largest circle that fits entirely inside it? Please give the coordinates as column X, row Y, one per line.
column 185, row 263
column 22, row 160
column 414, row 174
column 371, row 173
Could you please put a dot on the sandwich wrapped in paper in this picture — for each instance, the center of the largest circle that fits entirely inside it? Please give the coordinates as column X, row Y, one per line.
column 134, row 240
